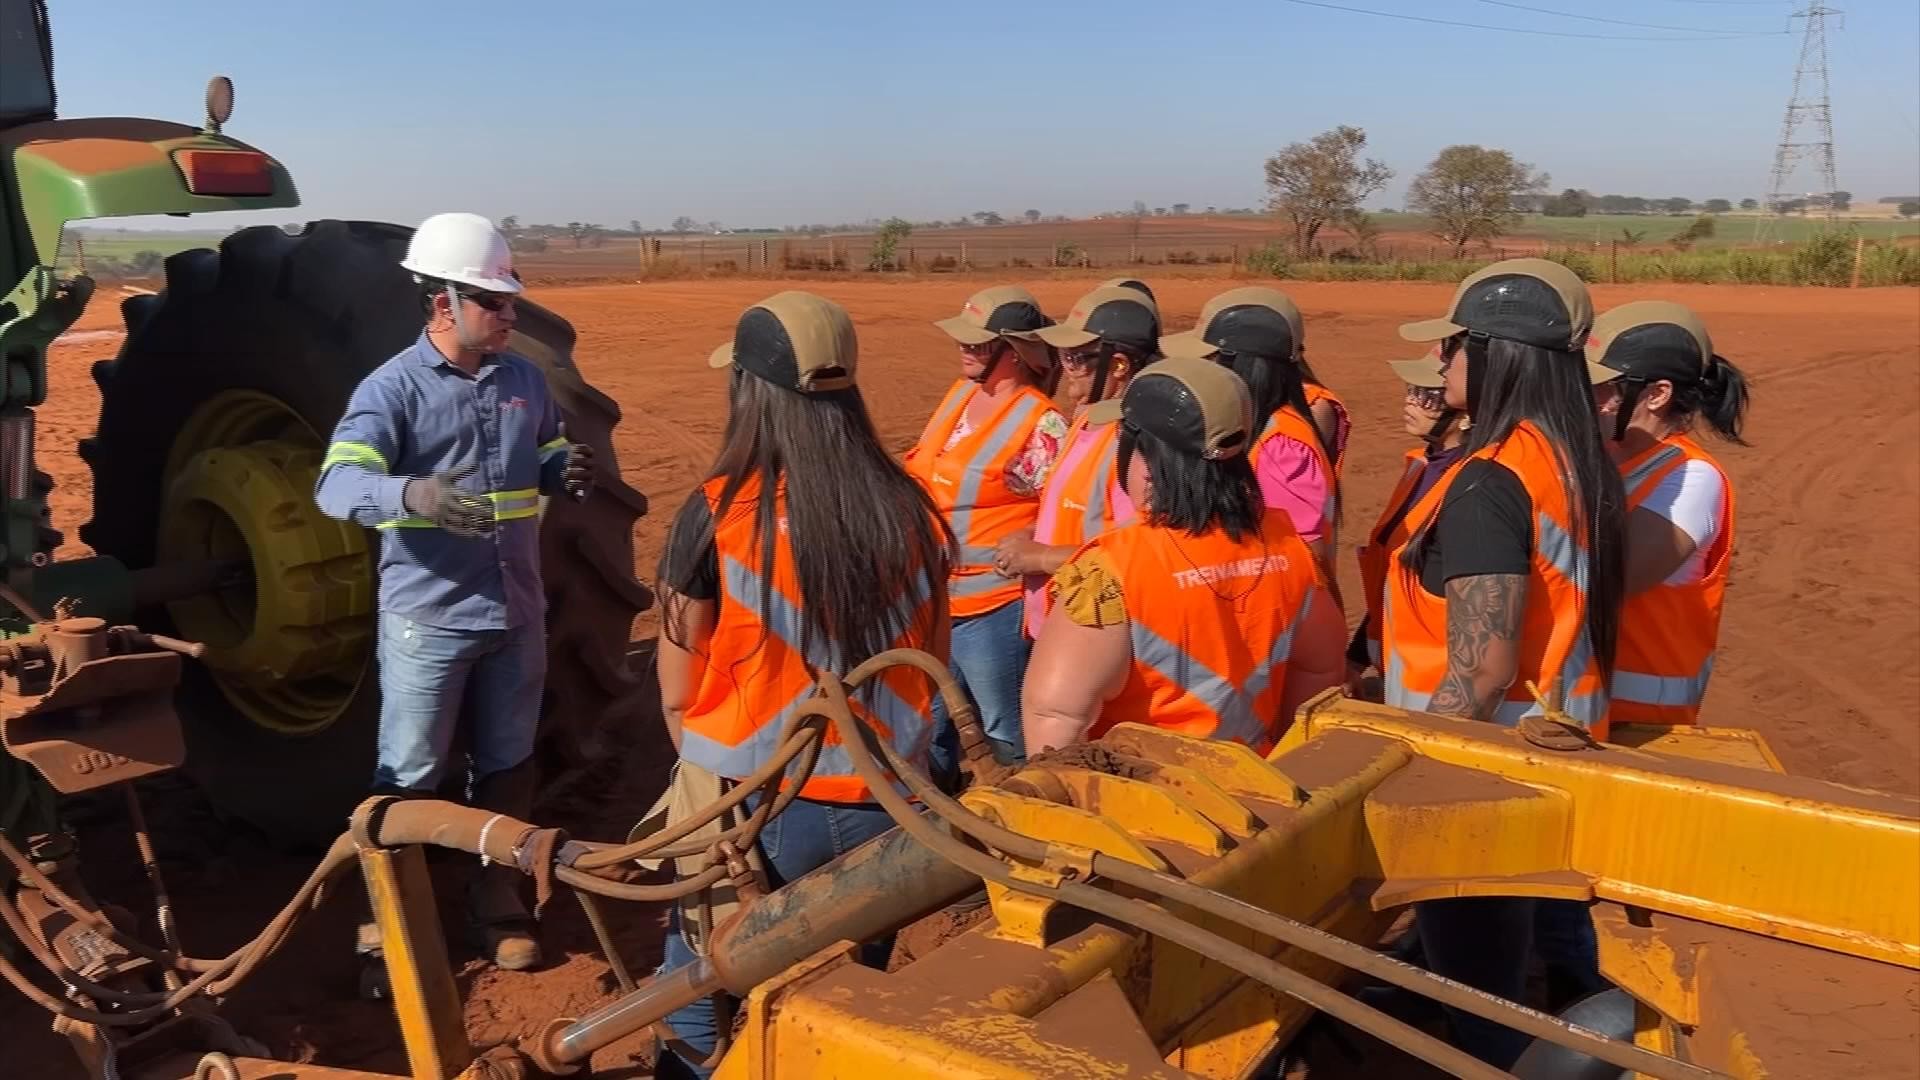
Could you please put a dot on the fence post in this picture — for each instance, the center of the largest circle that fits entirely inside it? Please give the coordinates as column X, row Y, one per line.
column 1613, row 262
column 963, row 256
column 1859, row 252
column 703, row 256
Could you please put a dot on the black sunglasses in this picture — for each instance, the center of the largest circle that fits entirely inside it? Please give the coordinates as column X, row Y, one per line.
column 488, row 301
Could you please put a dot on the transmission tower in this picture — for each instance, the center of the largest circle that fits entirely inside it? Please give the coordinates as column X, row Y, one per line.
column 1807, row 130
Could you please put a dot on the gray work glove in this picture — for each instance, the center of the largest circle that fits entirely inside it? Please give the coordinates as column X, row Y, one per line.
column 578, row 475
column 439, row 499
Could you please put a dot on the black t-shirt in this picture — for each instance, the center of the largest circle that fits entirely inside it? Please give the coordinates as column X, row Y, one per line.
column 690, row 565
column 1485, row 526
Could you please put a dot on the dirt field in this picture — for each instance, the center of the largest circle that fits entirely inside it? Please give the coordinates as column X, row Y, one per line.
column 1817, row 652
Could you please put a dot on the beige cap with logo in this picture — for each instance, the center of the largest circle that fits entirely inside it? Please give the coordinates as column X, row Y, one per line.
column 1002, row 311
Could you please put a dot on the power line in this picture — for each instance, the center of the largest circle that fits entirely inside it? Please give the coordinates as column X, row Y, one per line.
column 1503, row 29
column 1736, row 3
column 1641, row 25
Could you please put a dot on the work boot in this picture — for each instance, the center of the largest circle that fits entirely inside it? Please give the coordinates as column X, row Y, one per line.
column 502, row 926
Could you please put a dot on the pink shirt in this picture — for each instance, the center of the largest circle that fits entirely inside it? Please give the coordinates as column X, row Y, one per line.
column 1070, row 458
column 1291, row 480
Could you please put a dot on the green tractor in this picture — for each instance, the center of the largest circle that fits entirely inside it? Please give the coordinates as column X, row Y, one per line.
column 213, row 420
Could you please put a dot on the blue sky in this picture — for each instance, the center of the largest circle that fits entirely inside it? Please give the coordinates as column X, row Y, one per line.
column 770, row 113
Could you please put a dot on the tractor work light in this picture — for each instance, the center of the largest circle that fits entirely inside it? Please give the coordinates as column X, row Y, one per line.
column 225, row 172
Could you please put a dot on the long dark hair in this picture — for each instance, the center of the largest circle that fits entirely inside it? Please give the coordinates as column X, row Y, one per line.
column 1510, row 383
column 859, row 528
column 1193, row 495
column 1719, row 398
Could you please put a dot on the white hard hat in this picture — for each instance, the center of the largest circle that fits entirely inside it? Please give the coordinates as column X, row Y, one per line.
column 465, row 249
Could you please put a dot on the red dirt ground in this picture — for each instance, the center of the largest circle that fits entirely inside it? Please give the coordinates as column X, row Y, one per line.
column 1818, row 648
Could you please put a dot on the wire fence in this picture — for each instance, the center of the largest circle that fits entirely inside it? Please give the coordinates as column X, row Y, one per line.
column 1834, row 260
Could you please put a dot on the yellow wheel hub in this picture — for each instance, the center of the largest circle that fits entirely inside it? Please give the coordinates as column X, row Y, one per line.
column 289, row 648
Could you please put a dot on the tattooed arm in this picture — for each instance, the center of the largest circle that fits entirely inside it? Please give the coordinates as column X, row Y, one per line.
column 1483, row 637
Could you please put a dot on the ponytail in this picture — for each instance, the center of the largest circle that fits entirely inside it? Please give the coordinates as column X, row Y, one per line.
column 1723, row 399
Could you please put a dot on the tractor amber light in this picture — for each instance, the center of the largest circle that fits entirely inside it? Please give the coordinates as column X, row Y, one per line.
column 225, row 172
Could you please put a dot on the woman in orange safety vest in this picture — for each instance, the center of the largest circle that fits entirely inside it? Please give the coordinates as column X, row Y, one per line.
column 1441, row 431
column 1108, row 338
column 983, row 458
column 1259, row 334
column 768, row 579
column 1511, row 574
column 1656, row 373
column 1207, row 615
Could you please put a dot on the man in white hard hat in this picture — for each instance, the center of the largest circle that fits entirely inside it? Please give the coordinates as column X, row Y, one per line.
column 446, row 449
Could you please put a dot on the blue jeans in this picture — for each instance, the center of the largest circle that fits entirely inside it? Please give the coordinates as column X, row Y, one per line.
column 990, row 661
column 805, row 837
column 1483, row 942
column 427, row 675
column 1563, row 936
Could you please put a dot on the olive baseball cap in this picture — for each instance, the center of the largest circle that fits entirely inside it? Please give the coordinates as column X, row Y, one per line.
column 794, row 340
column 1255, row 320
column 1110, row 313
column 1532, row 301
column 1651, row 340
column 1195, row 406
column 1128, row 283
column 1004, row 310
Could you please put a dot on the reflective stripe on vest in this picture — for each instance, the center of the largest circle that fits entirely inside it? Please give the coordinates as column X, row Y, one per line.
column 1636, row 479
column 1672, row 691
column 1093, row 520
column 1238, row 720
column 507, row 506
column 961, row 519
column 910, row 730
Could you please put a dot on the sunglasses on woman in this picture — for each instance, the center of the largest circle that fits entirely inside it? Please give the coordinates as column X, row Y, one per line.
column 1429, row 398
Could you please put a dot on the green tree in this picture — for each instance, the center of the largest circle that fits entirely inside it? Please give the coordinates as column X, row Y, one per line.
column 1749, row 204
column 1718, row 206
column 1322, row 181
column 1182, row 208
column 1032, row 216
column 886, row 242
column 684, row 224
column 509, row 225
column 1470, row 192
column 1570, row 203
column 1910, row 209
column 1841, row 200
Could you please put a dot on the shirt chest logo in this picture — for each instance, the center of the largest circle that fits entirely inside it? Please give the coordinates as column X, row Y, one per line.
column 512, row 403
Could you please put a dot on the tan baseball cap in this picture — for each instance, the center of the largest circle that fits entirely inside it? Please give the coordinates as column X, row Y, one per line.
column 1195, row 406
column 1533, row 301
column 1649, row 339
column 795, row 340
column 1420, row 371
column 1002, row 311
column 1255, row 320
column 1129, row 283
column 1111, row 313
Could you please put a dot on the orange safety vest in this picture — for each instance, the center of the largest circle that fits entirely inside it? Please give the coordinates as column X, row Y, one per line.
column 1205, row 664
column 969, row 485
column 1317, row 394
column 1556, row 652
column 1373, row 553
column 755, row 675
column 1668, row 632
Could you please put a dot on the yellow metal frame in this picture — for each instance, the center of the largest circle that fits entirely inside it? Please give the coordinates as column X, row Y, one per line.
column 1705, row 863
column 1359, row 810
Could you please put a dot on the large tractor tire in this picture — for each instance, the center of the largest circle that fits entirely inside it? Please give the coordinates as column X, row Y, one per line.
column 213, row 421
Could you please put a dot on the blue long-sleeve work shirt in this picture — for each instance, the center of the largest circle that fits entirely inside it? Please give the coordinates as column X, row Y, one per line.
column 417, row 415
